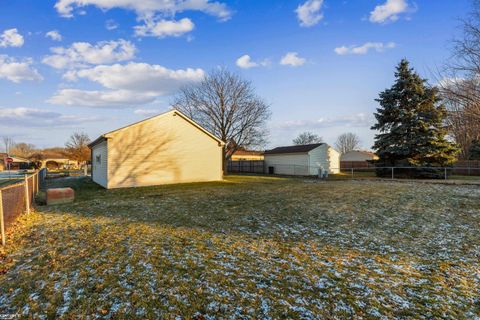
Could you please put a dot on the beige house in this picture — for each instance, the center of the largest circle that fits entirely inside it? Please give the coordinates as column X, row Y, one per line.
column 302, row 160
column 358, row 155
column 168, row 148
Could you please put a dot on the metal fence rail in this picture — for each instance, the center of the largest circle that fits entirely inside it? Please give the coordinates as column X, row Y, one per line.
column 16, row 198
column 445, row 173
column 356, row 171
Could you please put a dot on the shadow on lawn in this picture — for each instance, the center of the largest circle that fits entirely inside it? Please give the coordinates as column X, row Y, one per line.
column 379, row 216
column 234, row 205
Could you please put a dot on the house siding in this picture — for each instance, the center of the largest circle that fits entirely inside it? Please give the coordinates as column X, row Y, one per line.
column 288, row 164
column 319, row 159
column 334, row 160
column 99, row 169
column 303, row 164
column 162, row 150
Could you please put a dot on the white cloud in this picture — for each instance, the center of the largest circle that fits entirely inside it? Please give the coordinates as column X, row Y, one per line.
column 164, row 28
column 127, row 85
column 100, row 99
column 141, row 77
column 388, row 11
column 354, row 120
column 18, row 70
column 245, row 62
column 11, row 38
column 146, row 112
column 292, row 59
column 310, row 13
column 31, row 117
column 54, row 35
column 111, row 25
column 82, row 54
column 363, row 49
column 148, row 8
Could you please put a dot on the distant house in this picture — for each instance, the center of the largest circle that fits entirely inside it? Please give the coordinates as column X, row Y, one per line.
column 243, row 154
column 303, row 159
column 59, row 163
column 357, row 159
column 17, row 164
column 358, row 155
column 168, row 148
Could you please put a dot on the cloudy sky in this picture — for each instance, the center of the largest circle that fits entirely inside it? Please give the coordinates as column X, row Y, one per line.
column 96, row 65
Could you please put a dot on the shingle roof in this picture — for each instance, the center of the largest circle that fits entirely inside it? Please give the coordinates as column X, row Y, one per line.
column 294, row 149
column 248, row 153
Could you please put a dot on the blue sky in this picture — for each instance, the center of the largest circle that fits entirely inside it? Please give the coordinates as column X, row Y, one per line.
column 96, row 65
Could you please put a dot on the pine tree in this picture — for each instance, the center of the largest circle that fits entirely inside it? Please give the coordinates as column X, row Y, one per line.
column 475, row 150
column 411, row 123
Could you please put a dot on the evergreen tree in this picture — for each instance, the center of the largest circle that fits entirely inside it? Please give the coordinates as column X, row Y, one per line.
column 411, row 123
column 474, row 150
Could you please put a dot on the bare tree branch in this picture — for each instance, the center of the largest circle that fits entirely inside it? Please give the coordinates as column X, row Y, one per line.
column 347, row 142
column 76, row 148
column 23, row 150
column 460, row 86
column 307, row 138
column 228, row 107
column 8, row 143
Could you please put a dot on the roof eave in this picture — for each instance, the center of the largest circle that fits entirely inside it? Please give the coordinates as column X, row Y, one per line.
column 97, row 141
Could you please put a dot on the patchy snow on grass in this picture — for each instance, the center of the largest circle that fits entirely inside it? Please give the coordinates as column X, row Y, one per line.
column 249, row 248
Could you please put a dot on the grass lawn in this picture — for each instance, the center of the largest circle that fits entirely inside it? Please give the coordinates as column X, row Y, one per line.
column 249, row 247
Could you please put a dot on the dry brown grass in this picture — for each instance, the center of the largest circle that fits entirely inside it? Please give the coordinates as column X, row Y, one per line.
column 249, row 247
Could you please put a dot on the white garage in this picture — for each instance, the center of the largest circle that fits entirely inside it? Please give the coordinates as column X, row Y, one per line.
column 302, row 160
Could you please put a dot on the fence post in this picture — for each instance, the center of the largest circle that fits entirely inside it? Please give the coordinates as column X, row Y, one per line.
column 2, row 223
column 352, row 172
column 27, row 196
column 393, row 175
column 36, row 181
column 445, row 173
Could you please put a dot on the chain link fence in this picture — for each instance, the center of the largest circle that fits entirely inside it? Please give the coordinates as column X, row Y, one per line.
column 443, row 173
column 471, row 173
column 17, row 196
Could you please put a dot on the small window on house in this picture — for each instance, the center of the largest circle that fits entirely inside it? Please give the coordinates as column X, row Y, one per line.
column 98, row 159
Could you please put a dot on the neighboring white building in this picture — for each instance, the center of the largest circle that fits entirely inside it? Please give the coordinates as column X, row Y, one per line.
column 358, row 155
column 168, row 148
column 302, row 160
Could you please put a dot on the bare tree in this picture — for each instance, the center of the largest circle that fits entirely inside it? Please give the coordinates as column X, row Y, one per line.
column 307, row 138
column 76, row 148
column 7, row 143
column 24, row 150
column 463, row 120
column 460, row 86
column 347, row 142
column 227, row 106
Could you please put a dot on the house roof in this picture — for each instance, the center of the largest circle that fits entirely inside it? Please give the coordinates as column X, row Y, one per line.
column 294, row 149
column 105, row 136
column 365, row 152
column 3, row 155
column 248, row 153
